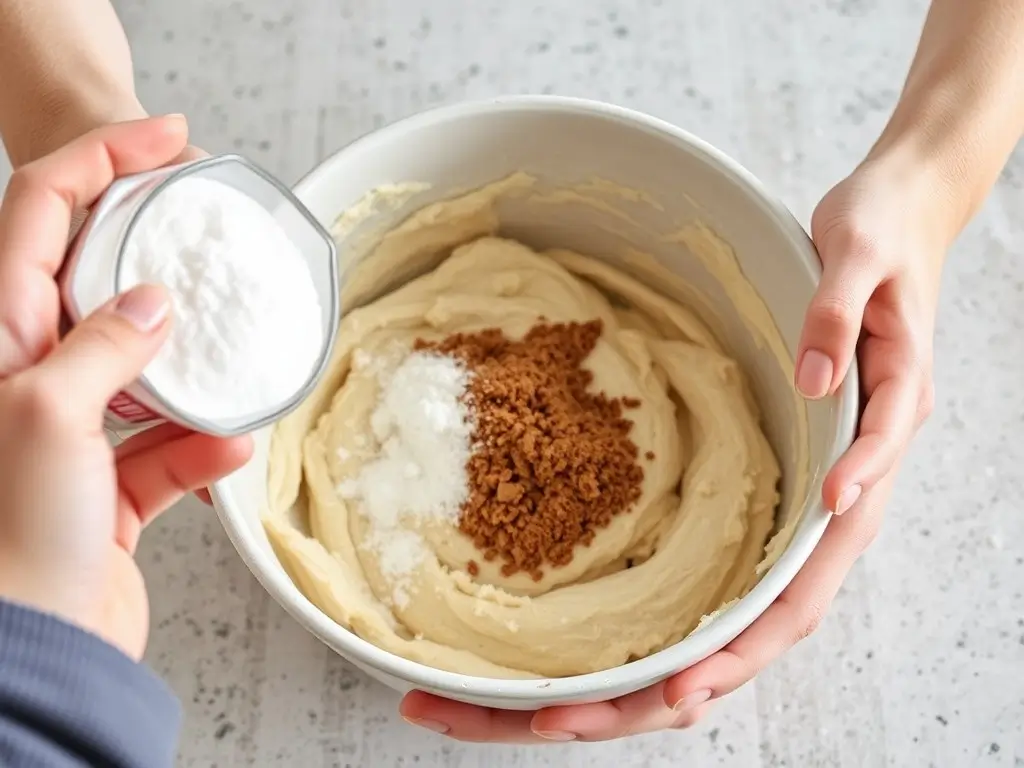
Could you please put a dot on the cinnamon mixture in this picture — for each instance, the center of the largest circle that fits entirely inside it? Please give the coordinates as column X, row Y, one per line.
column 554, row 463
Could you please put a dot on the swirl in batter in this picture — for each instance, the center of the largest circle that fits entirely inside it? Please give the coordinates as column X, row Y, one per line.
column 689, row 545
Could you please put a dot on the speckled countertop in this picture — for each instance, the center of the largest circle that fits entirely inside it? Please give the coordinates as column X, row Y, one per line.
column 920, row 662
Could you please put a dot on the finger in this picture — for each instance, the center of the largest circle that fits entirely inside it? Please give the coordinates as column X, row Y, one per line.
column 29, row 314
column 885, row 429
column 895, row 385
column 850, row 274
column 36, row 218
column 153, row 478
column 107, row 351
column 42, row 196
column 142, row 441
column 792, row 617
column 465, row 722
column 641, row 712
column 159, row 434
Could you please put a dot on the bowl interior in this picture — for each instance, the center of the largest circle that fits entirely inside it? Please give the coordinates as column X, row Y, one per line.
column 629, row 189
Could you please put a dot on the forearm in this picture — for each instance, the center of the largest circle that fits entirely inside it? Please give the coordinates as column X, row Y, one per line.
column 65, row 68
column 962, row 108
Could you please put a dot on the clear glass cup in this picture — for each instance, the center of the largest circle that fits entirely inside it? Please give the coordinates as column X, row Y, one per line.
column 91, row 276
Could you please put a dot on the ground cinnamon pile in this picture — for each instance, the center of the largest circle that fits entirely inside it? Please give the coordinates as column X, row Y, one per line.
column 553, row 463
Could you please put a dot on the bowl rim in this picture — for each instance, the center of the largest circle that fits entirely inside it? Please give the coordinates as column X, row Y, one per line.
column 661, row 664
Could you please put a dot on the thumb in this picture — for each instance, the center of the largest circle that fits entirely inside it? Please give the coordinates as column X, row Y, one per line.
column 109, row 349
column 851, row 271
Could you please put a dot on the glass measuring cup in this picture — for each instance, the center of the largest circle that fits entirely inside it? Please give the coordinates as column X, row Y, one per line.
column 92, row 275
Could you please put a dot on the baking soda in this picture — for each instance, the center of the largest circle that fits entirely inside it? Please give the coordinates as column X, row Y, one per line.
column 247, row 324
column 424, row 429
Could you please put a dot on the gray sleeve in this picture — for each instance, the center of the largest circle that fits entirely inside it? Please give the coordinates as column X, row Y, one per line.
column 69, row 699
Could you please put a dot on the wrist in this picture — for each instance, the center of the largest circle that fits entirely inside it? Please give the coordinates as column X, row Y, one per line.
column 929, row 179
column 948, row 147
column 51, row 117
column 934, row 197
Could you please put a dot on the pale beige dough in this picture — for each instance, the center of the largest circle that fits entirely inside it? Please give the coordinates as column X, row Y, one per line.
column 696, row 538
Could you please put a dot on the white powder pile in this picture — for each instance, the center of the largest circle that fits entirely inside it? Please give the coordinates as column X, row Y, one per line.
column 247, row 328
column 424, row 429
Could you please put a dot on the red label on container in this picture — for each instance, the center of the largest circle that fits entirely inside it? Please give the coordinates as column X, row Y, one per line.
column 126, row 407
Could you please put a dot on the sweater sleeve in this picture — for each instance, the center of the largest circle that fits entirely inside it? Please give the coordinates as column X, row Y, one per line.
column 69, row 699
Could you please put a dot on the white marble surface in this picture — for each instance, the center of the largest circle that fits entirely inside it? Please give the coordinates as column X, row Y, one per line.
column 921, row 661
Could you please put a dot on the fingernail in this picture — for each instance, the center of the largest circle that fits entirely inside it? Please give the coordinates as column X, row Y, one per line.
column 847, row 499
column 175, row 117
column 430, row 725
column 556, row 735
column 691, row 700
column 144, row 306
column 815, row 374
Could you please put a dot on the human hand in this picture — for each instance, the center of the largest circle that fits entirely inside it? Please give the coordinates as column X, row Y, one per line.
column 29, row 298
column 881, row 238
column 74, row 507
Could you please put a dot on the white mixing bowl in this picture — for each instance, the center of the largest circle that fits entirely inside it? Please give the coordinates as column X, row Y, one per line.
column 564, row 142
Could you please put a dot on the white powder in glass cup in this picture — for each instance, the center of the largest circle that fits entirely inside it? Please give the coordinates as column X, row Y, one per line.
column 247, row 322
